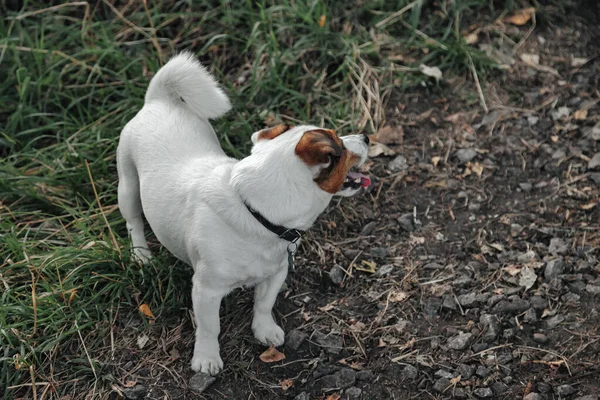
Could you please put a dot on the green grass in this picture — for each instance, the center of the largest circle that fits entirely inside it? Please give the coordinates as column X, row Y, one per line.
column 71, row 76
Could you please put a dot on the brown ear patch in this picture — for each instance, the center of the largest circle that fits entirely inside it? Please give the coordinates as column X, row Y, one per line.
column 321, row 146
column 272, row 133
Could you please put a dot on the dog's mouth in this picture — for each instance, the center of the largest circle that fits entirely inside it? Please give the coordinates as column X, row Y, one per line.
column 356, row 180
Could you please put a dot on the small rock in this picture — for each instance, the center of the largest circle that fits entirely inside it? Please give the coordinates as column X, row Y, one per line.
column 460, row 341
column 508, row 333
column 588, row 397
column 554, row 321
column 526, row 186
column 432, row 306
column 530, row 316
column 544, row 387
column 499, row 388
column 571, row 298
column 324, row 369
column 468, row 300
column 459, row 393
column 333, row 344
column 302, row 396
column 554, row 268
column 595, row 176
column 385, row 270
column 449, row 303
column 379, row 252
column 340, row 380
column 533, row 396
column 441, row 385
column 564, row 390
column 294, row 339
column 465, row 371
column 593, row 289
column 557, row 246
column 540, row 338
column 594, row 161
column 368, row 228
column 462, row 281
column 538, row 302
column 477, row 347
column 491, row 325
column 466, row 155
column 398, row 164
column 474, row 207
column 337, row 274
column 482, row 371
column 365, row 375
column 352, row 393
column 200, row 382
column 406, row 222
column 442, row 373
column 495, row 299
column 136, row 392
column 410, row 372
column 515, row 306
column 483, row 393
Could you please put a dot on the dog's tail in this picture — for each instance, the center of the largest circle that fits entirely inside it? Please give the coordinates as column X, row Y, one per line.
column 185, row 81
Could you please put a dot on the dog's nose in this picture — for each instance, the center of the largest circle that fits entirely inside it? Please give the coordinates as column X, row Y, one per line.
column 366, row 138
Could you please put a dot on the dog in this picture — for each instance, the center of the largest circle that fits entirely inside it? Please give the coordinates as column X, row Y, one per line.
column 236, row 222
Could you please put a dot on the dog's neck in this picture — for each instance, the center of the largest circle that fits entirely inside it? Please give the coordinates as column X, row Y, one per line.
column 280, row 189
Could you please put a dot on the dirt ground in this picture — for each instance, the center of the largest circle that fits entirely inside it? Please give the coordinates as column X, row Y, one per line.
column 469, row 270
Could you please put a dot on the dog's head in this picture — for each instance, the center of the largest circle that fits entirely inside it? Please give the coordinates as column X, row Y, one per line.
column 331, row 161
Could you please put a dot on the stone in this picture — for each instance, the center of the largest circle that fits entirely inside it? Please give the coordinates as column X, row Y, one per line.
column 449, row 303
column 200, row 382
column 462, row 281
column 588, row 397
column 594, row 161
column 365, row 375
column 538, row 302
column 533, row 396
column 441, row 385
column 406, row 222
column 483, row 393
column 508, row 333
column 466, row 155
column 516, row 306
column 571, row 298
column 459, row 393
column 432, row 306
column 564, row 390
column 557, row 246
column 460, row 341
column 442, row 373
column 530, row 316
column 554, row 268
column 398, row 164
column 554, row 321
column 337, row 274
column 333, row 344
column 324, row 369
column 491, row 326
column 482, row 371
column 410, row 372
column 595, row 177
column 540, row 338
column 135, row 393
column 468, row 300
column 526, row 186
column 477, row 347
column 294, row 339
column 352, row 393
column 379, row 252
column 368, row 228
column 593, row 289
column 302, row 396
column 340, row 380
column 499, row 388
column 465, row 371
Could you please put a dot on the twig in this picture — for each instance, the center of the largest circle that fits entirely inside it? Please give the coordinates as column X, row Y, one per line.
column 397, row 14
column 86, row 351
column 476, row 78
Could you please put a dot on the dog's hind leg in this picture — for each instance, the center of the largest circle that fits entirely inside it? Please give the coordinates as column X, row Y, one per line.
column 130, row 205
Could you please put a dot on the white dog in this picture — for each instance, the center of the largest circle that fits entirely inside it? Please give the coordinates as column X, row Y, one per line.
column 236, row 222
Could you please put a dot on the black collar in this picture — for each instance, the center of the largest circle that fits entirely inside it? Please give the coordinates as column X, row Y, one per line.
column 289, row 234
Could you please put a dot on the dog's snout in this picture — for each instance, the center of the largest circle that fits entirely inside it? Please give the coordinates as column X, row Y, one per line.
column 366, row 138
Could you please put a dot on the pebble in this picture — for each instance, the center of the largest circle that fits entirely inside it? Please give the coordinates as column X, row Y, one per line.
column 594, row 161
column 468, row 300
column 557, row 246
column 294, row 339
column 588, row 397
column 368, row 228
column 200, row 382
column 515, row 306
column 410, row 372
column 302, row 396
column 564, row 390
column 540, row 338
column 571, row 298
column 353, row 393
column 466, row 155
column 533, row 396
column 379, row 252
column 336, row 274
column 449, row 303
column 483, row 393
column 333, row 344
column 432, row 306
column 593, row 289
column 398, row 164
column 460, row 341
column 441, row 384
column 482, row 371
column 442, row 373
column 530, row 316
column 538, row 302
column 477, row 347
column 342, row 379
column 406, row 222
column 554, row 321
column 459, row 393
column 465, row 371
column 508, row 333
column 491, row 326
column 136, row 392
column 554, row 268
column 385, row 270
column 595, row 176
column 526, row 186
column 365, row 375
column 499, row 388
column 462, row 281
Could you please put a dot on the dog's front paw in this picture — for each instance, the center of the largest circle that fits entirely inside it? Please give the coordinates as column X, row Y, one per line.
column 267, row 331
column 142, row 255
column 207, row 362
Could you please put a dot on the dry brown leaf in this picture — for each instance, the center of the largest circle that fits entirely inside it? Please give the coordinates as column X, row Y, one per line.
column 477, row 168
column 521, row 17
column 145, row 309
column 581, row 114
column 435, row 160
column 322, row 20
column 286, row 384
column 381, row 343
column 396, row 297
column 328, row 307
column 129, row 384
column 433, row 72
column 333, row 396
column 355, row 365
column 377, row 149
column 454, row 381
column 441, row 184
column 271, row 355
column 389, row 135
column 589, row 206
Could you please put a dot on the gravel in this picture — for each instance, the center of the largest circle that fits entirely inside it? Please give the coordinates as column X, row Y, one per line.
column 460, row 341
column 200, row 382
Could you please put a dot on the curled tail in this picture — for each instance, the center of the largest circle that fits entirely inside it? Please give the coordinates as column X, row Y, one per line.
column 183, row 80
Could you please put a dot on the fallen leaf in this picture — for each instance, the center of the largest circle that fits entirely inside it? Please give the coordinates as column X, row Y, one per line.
column 358, row 326
column 129, row 384
column 396, row 297
column 271, row 355
column 369, row 266
column 286, row 384
column 580, row 114
column 441, row 184
column 578, row 62
column 454, row 381
column 471, row 38
column 477, row 168
column 306, row 316
column 355, row 365
column 389, row 135
column 322, row 20
column 376, row 149
column 521, row 17
column 527, row 278
column 512, row 270
column 333, row 396
column 328, row 307
column 433, row 72
column 381, row 343
column 142, row 340
column 145, row 309
column 435, row 160
column 589, row 206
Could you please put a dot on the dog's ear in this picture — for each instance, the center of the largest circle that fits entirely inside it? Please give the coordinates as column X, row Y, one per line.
column 318, row 147
column 270, row 133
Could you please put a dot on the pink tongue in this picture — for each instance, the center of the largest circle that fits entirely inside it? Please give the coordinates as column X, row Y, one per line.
column 365, row 181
